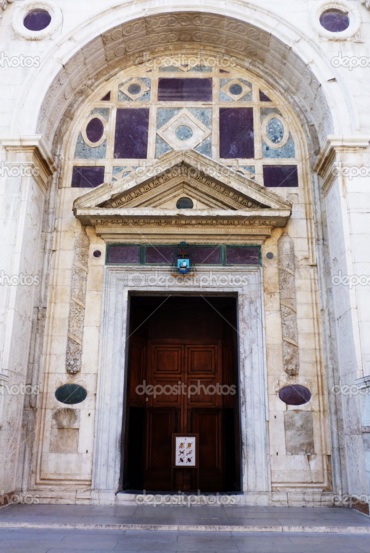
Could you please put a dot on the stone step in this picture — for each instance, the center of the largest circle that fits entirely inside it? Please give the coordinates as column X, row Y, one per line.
column 235, row 528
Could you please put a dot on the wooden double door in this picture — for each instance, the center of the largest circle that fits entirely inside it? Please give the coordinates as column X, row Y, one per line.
column 182, row 379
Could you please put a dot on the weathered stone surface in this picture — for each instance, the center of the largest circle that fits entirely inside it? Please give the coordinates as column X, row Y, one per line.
column 299, row 437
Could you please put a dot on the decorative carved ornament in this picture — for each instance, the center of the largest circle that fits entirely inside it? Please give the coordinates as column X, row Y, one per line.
column 77, row 303
column 288, row 305
column 148, row 200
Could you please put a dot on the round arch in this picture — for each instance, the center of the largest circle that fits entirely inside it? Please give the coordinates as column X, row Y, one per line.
column 267, row 46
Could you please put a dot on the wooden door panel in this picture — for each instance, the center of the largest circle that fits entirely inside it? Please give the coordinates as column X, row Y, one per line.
column 203, row 375
column 182, row 392
column 208, row 424
column 203, row 392
column 166, row 360
column 165, row 367
column 202, row 360
column 165, row 393
column 158, row 448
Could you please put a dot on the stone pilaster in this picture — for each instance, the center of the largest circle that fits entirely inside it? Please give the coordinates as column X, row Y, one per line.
column 25, row 168
column 342, row 166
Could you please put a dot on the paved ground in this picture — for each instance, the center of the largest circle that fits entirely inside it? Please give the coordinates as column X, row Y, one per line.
column 72, row 541
column 72, row 529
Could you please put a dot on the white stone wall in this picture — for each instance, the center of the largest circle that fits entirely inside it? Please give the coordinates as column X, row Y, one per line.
column 42, row 84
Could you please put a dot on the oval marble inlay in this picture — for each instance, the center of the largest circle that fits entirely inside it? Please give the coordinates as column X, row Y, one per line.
column 37, row 20
column 275, row 130
column 134, row 88
column 295, row 394
column 94, row 130
column 235, row 89
column 70, row 394
column 183, row 132
column 335, row 21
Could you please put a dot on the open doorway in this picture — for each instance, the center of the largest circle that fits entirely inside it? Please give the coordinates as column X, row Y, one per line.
column 182, row 378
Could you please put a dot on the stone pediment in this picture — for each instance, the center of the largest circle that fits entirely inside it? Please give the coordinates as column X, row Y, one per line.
column 148, row 198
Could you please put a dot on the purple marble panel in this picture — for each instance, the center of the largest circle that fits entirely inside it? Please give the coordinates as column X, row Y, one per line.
column 131, row 137
column 242, row 255
column 263, row 97
column 194, row 90
column 106, row 98
column 275, row 176
column 87, row 177
column 236, row 133
column 205, row 255
column 123, row 254
column 160, row 254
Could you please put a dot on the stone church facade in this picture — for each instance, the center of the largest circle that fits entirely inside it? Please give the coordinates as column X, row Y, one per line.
column 185, row 226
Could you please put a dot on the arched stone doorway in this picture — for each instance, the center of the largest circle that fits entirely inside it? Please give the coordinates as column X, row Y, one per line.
column 303, row 91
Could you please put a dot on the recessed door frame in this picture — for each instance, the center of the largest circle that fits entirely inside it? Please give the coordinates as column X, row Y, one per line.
column 119, row 284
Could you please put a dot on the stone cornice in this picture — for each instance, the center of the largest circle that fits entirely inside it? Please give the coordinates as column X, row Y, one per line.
column 336, row 144
column 30, row 142
column 277, row 218
column 135, row 224
column 31, row 150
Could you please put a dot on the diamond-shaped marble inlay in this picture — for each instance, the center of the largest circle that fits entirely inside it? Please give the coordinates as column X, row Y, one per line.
column 184, row 131
column 134, row 88
column 235, row 89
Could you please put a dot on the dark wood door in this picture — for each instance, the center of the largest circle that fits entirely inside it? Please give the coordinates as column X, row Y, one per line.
column 181, row 386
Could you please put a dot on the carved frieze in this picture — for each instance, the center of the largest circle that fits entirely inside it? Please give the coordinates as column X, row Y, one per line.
column 207, row 185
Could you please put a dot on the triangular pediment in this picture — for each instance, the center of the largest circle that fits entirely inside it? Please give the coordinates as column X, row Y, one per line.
column 149, row 195
column 183, row 173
